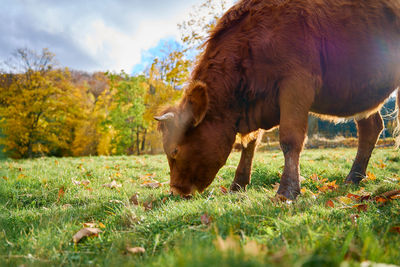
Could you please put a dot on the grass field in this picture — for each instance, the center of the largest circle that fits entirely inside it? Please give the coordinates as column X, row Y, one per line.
column 43, row 203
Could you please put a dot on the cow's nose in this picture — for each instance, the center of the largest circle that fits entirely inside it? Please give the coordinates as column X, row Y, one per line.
column 175, row 191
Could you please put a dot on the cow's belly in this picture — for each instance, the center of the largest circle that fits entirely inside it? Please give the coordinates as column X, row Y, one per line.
column 342, row 101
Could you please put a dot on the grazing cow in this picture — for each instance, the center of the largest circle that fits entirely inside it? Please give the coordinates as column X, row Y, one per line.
column 272, row 62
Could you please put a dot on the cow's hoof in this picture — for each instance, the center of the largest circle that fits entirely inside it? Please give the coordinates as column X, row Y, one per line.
column 289, row 193
column 354, row 178
column 235, row 187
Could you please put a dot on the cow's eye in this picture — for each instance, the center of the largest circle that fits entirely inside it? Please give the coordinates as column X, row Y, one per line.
column 174, row 152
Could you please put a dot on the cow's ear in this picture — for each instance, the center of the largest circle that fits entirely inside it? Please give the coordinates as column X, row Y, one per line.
column 197, row 98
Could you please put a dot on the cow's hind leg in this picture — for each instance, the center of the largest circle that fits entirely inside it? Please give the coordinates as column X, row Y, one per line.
column 243, row 171
column 295, row 99
column 369, row 130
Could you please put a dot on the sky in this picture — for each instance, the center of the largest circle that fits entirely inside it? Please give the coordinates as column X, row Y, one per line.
column 93, row 35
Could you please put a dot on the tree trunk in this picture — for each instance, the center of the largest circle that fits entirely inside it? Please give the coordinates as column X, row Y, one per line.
column 144, row 140
column 137, row 141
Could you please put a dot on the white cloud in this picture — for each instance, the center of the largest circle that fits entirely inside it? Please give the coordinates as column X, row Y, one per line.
column 92, row 35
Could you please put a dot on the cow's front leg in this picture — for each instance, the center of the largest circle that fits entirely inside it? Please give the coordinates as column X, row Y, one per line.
column 369, row 130
column 295, row 99
column 243, row 171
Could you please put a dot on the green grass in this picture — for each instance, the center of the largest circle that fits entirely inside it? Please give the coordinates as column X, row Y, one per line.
column 37, row 222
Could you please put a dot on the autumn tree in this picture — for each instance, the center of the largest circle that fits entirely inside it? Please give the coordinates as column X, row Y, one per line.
column 126, row 113
column 91, row 138
column 39, row 106
column 196, row 28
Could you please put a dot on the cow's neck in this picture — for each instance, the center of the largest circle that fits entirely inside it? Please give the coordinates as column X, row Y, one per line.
column 232, row 104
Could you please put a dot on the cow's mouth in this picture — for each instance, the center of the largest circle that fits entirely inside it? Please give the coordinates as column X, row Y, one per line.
column 184, row 192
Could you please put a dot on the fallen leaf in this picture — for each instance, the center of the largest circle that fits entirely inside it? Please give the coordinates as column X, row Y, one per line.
column 345, row 200
column 5, row 178
column 395, row 197
column 330, row 203
column 135, row 250
column 112, row 185
column 148, row 205
column 223, row 189
column 85, row 232
column 164, row 199
column 205, row 219
column 134, row 199
column 332, row 185
column 365, row 198
column 381, row 200
column 61, row 193
column 353, row 196
column 381, row 164
column 361, row 207
column 101, row 225
column 314, row 177
column 303, row 190
column 371, row 176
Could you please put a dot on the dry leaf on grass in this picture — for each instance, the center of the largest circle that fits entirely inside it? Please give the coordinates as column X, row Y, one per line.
column 330, row 203
column 353, row 196
column 205, row 219
column 223, row 189
column 381, row 200
column 276, row 186
column 61, row 193
column 345, row 200
column 148, row 205
column 361, row 207
column 112, row 185
column 371, row 176
column 85, row 232
column 134, row 199
column 135, row 250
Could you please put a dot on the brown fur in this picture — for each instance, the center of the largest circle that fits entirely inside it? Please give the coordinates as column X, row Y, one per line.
column 270, row 63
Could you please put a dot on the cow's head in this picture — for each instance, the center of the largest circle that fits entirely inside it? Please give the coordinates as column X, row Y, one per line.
column 196, row 147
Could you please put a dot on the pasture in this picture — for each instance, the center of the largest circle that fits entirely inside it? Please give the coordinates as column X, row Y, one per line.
column 44, row 202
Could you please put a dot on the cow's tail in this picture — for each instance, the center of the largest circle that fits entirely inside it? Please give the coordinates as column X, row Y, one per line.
column 397, row 131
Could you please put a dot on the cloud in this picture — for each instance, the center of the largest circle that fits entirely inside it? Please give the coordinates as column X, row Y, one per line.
column 91, row 35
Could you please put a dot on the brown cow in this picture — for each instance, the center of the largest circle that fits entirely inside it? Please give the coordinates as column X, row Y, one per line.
column 270, row 63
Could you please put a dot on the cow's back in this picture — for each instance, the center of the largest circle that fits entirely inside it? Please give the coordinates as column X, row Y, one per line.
column 352, row 48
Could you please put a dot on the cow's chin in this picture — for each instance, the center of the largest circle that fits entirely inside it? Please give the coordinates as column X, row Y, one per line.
column 188, row 191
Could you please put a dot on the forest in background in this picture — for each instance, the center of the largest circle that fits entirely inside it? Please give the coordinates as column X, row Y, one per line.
column 50, row 110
